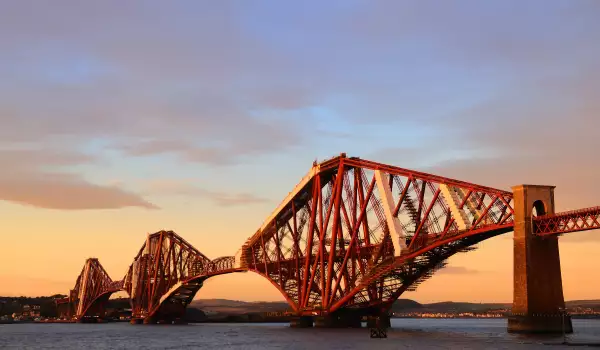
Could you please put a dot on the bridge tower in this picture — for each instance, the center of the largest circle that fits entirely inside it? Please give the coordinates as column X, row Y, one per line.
column 537, row 291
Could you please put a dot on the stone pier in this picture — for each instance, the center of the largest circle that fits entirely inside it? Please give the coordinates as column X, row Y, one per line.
column 538, row 295
column 301, row 322
column 338, row 321
column 381, row 321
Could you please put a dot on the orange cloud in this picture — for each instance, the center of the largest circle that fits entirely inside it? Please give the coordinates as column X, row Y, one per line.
column 184, row 188
column 60, row 191
column 457, row 270
column 27, row 180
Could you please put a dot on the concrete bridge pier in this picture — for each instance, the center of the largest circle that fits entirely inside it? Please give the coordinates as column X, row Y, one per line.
column 86, row 319
column 537, row 290
column 380, row 321
column 301, row 322
column 150, row 320
column 161, row 319
column 338, row 321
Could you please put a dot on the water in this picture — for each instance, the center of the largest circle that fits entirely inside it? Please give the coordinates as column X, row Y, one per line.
column 406, row 333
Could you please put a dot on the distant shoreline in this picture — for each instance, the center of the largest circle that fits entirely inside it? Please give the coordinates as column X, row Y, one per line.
column 215, row 321
column 232, row 311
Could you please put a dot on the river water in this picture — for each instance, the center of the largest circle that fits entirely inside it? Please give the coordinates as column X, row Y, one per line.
column 406, row 333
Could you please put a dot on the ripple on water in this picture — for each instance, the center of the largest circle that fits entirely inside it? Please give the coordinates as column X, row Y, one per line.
column 407, row 333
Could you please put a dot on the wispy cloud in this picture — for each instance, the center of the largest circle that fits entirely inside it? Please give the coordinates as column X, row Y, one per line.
column 35, row 178
column 217, row 85
column 185, row 188
column 458, row 270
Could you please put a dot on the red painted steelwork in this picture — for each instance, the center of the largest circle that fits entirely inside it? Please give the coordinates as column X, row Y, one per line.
column 166, row 275
column 92, row 283
column 571, row 221
column 162, row 280
column 330, row 247
column 351, row 237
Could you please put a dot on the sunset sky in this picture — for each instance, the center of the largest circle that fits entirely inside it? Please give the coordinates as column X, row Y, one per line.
column 119, row 118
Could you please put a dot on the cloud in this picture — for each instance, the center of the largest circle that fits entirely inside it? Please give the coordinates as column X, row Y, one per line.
column 181, row 149
column 59, row 191
column 229, row 83
column 185, row 188
column 224, row 144
column 226, row 200
column 198, row 90
column 533, row 116
column 35, row 178
column 458, row 270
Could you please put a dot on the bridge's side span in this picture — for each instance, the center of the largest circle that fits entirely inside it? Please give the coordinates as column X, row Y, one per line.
column 163, row 279
column 166, row 275
column 571, row 221
column 90, row 294
column 327, row 245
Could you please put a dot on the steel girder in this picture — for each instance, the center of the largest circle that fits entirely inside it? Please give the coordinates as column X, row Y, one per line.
column 355, row 233
column 571, row 221
column 92, row 284
column 166, row 275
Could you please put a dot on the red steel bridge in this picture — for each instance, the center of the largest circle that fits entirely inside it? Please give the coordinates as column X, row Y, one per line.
column 348, row 240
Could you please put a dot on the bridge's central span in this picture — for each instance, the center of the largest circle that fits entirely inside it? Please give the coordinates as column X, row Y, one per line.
column 349, row 239
column 354, row 234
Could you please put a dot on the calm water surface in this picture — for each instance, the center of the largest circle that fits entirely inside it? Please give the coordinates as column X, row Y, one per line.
column 406, row 333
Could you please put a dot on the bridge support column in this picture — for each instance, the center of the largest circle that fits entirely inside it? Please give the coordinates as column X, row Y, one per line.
column 537, row 290
column 149, row 320
column 85, row 319
column 301, row 322
column 379, row 321
column 338, row 321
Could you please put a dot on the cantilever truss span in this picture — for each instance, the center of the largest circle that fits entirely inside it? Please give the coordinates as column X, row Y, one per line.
column 336, row 240
column 163, row 279
column 92, row 289
column 166, row 275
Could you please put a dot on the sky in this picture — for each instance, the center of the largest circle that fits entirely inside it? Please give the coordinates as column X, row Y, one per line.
column 119, row 119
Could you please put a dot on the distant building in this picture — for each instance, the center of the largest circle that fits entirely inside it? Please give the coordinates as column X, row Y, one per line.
column 30, row 311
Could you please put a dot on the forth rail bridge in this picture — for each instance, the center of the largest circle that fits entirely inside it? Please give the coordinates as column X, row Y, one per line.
column 349, row 239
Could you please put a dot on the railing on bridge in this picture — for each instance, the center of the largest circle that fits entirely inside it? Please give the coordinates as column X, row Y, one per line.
column 115, row 286
column 223, row 263
column 570, row 221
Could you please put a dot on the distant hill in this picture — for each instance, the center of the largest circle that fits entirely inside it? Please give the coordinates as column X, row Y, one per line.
column 407, row 305
column 584, row 303
column 450, row 306
column 8, row 305
column 233, row 307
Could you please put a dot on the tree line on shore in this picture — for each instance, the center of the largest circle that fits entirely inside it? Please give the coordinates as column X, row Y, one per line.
column 232, row 311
